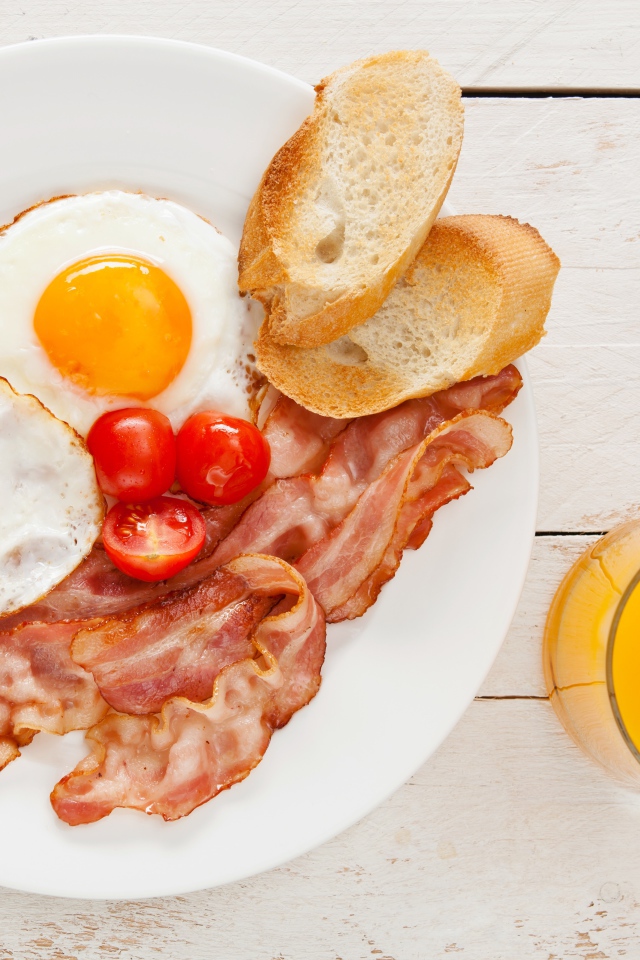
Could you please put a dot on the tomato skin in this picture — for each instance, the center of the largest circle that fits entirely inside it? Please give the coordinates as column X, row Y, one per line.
column 134, row 452
column 154, row 540
column 220, row 459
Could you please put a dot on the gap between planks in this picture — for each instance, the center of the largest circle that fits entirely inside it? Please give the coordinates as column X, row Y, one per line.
column 513, row 696
column 571, row 533
column 560, row 93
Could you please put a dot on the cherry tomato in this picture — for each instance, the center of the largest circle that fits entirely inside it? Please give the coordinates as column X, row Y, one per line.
column 153, row 540
column 134, row 451
column 220, row 459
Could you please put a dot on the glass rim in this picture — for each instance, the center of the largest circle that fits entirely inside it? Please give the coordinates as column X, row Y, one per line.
column 613, row 630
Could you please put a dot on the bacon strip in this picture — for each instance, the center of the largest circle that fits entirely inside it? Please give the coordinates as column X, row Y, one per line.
column 41, row 688
column 171, row 763
column 299, row 440
column 483, row 393
column 175, row 646
column 346, row 570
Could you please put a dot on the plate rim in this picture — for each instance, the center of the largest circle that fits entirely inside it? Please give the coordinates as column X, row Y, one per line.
column 109, row 39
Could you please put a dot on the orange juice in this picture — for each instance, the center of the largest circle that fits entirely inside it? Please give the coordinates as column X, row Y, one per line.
column 592, row 651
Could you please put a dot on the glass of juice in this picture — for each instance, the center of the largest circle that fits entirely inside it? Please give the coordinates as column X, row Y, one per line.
column 592, row 652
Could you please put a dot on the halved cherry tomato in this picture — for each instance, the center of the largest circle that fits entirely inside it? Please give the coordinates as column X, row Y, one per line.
column 153, row 540
column 220, row 459
column 134, row 452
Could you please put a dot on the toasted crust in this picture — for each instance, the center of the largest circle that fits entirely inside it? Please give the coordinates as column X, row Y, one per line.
column 474, row 300
column 347, row 202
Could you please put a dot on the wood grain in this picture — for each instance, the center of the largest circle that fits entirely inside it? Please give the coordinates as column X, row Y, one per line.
column 568, row 167
column 517, row 670
column 487, row 43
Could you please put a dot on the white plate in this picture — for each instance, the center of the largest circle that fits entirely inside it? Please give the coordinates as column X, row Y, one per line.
column 199, row 126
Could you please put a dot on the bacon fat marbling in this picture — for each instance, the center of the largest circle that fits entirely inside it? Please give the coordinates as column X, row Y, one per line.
column 41, row 688
column 171, row 763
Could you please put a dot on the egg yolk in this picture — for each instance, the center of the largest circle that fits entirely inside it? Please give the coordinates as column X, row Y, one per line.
column 115, row 325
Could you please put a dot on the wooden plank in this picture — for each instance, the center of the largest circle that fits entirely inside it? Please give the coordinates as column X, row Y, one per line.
column 567, row 165
column 588, row 402
column 518, row 667
column 488, row 43
column 562, row 165
column 586, row 386
column 508, row 844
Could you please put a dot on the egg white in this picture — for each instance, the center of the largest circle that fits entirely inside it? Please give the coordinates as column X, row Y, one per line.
column 45, row 240
column 52, row 508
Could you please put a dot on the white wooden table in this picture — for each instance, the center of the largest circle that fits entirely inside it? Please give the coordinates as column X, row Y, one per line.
column 508, row 844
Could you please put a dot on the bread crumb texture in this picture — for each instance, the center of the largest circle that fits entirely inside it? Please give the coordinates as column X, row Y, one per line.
column 475, row 299
column 348, row 201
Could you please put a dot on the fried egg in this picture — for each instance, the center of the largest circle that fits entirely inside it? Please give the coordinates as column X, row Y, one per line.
column 117, row 299
column 52, row 508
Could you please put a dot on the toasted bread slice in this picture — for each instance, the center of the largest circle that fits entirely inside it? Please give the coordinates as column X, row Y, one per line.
column 348, row 201
column 474, row 300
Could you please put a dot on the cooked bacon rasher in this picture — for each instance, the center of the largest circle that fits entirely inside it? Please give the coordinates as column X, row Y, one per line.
column 173, row 762
column 346, row 527
column 41, row 688
column 346, row 569
column 175, row 646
